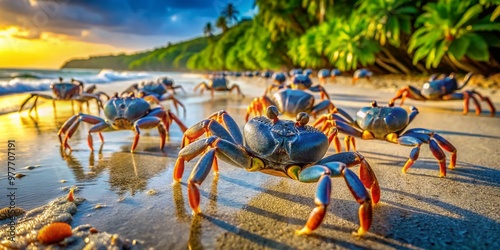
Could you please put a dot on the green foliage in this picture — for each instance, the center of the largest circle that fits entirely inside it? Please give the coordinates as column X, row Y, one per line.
column 388, row 18
column 388, row 35
column 453, row 28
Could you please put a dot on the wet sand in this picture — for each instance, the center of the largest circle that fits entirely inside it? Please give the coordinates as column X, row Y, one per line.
column 252, row 210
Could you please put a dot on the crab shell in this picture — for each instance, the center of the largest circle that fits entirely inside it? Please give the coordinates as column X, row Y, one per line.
column 301, row 82
column 65, row 90
column 156, row 88
column 279, row 77
column 324, row 73
column 437, row 88
column 166, row 81
column 123, row 112
column 282, row 143
column 291, row 101
column 218, row 83
column 382, row 120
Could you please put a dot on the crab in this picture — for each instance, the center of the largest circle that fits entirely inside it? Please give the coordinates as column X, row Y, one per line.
column 323, row 75
column 122, row 113
column 170, row 84
column 218, row 84
column 154, row 92
column 290, row 102
column 301, row 82
column 279, row 79
column 361, row 73
column 445, row 89
column 67, row 91
column 389, row 124
column 284, row 148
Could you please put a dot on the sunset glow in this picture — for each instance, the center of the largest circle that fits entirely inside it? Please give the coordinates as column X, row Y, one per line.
column 48, row 51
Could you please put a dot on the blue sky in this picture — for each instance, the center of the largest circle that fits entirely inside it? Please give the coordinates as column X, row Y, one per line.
column 131, row 24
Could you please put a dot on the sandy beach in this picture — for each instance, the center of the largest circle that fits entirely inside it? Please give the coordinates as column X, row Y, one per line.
column 243, row 210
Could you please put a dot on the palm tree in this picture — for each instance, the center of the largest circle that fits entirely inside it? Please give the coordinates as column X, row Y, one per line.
column 221, row 23
column 230, row 13
column 208, row 29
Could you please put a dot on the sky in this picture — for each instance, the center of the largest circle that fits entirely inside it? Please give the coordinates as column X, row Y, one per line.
column 46, row 33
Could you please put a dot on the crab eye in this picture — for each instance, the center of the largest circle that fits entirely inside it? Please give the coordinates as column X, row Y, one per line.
column 374, row 104
column 302, row 118
column 391, row 104
column 272, row 112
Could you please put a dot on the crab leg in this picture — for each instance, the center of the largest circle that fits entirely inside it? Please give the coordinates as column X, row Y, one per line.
column 321, row 174
column 409, row 139
column 322, row 106
column 258, row 106
column 237, row 87
column 149, row 122
column 36, row 96
column 202, row 86
column 323, row 94
column 446, row 145
column 96, row 128
column 410, row 92
column 232, row 127
column 71, row 125
column 366, row 173
column 487, row 100
column 167, row 117
column 226, row 150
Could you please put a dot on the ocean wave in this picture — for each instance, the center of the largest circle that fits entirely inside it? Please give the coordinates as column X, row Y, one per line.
column 27, row 82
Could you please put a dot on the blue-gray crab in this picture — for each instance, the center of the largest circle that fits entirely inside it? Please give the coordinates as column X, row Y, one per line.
column 285, row 148
column 122, row 113
column 300, row 82
column 361, row 73
column 170, row 84
column 67, row 91
column 389, row 124
column 445, row 89
column 154, row 92
column 218, row 83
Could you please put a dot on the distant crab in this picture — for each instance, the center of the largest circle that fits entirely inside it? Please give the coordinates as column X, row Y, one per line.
column 389, row 124
column 154, row 92
column 303, row 82
column 445, row 89
column 285, row 148
column 170, row 84
column 67, row 91
column 334, row 73
column 122, row 113
column 218, row 84
column 279, row 79
column 323, row 75
column 291, row 102
column 361, row 73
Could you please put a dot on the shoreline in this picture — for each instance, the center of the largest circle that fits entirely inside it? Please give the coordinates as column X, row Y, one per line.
column 255, row 210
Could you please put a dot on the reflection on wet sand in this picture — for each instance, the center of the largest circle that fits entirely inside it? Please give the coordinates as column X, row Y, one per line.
column 131, row 172
column 78, row 170
column 195, row 233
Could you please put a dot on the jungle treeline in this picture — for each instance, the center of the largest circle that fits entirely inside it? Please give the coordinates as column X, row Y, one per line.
column 386, row 36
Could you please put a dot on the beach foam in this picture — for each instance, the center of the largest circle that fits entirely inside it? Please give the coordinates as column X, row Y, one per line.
column 26, row 81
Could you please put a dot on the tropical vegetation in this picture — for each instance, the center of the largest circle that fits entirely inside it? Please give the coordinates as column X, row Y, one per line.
column 387, row 36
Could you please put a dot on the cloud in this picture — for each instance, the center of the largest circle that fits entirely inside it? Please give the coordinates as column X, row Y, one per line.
column 109, row 21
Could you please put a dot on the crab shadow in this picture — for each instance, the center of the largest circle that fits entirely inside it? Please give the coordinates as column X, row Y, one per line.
column 464, row 172
column 339, row 208
column 438, row 224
